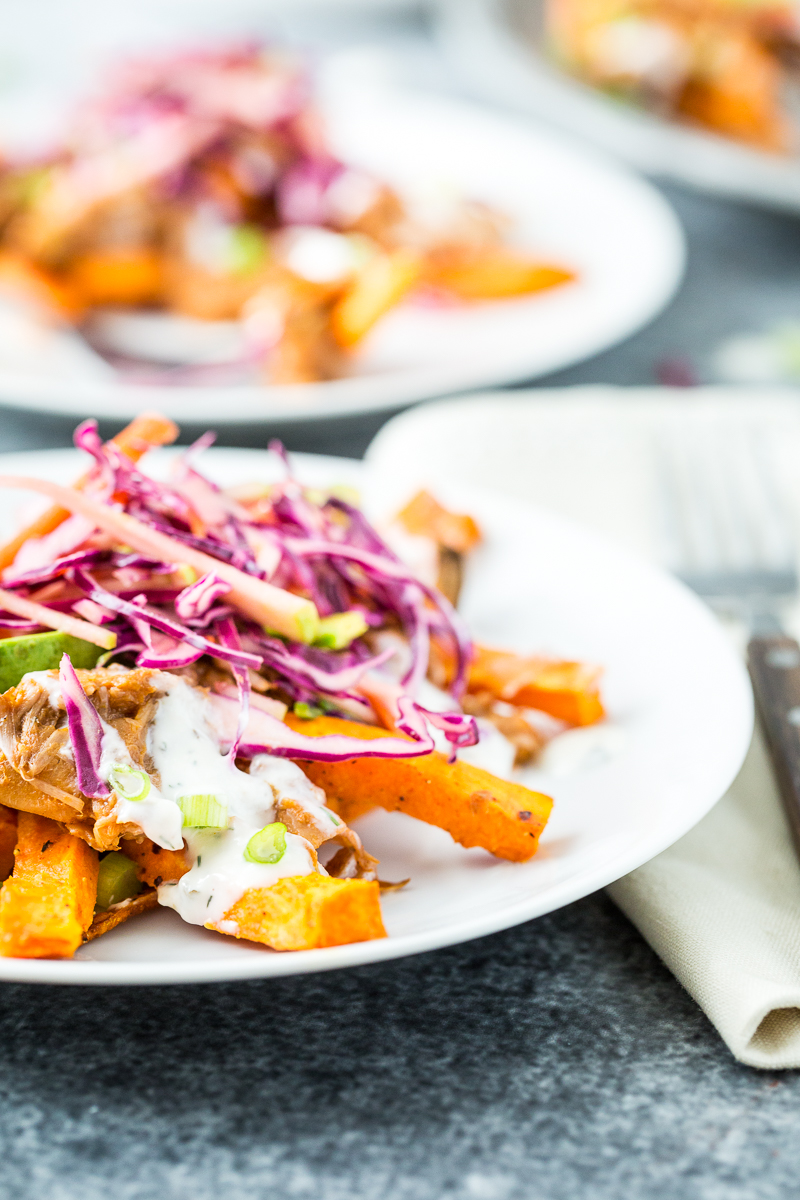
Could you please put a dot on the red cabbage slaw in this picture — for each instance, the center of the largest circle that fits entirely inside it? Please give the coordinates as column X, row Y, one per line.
column 158, row 115
column 323, row 549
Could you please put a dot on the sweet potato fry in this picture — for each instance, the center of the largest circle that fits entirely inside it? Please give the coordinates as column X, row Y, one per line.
column 378, row 287
column 119, row 276
column 475, row 808
column 104, row 922
column 23, row 278
column 737, row 92
column 567, row 690
column 307, row 912
column 8, row 840
column 424, row 515
column 48, row 903
column 155, row 865
column 497, row 274
column 455, row 535
column 148, row 429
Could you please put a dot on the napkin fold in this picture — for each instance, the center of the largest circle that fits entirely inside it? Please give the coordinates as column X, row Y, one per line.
column 721, row 907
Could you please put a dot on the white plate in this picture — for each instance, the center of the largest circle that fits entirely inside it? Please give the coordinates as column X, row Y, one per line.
column 568, row 205
column 494, row 45
column 678, row 699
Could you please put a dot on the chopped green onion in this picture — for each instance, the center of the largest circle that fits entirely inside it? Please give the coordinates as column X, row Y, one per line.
column 249, row 249
column 336, row 820
column 129, row 783
column 306, row 712
column 203, row 812
column 116, row 880
column 268, row 845
column 339, row 630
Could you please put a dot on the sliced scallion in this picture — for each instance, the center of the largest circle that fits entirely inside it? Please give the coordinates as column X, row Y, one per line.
column 116, row 880
column 129, row 783
column 202, row 811
column 268, row 845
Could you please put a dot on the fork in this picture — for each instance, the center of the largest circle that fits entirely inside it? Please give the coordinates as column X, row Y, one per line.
column 728, row 537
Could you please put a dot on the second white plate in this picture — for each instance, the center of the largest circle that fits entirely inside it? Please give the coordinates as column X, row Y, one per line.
column 496, row 45
column 567, row 205
column 680, row 719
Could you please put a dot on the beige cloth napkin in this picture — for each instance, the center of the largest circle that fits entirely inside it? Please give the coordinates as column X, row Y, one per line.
column 722, row 909
column 722, row 906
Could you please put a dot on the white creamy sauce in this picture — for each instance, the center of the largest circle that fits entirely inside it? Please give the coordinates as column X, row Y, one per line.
column 49, row 682
column 186, row 754
column 494, row 752
column 288, row 782
column 581, row 750
column 157, row 815
column 319, row 255
column 221, row 874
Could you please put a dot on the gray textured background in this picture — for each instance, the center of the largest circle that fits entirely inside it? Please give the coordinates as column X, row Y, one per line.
column 556, row 1061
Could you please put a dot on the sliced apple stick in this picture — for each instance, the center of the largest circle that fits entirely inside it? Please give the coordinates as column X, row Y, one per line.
column 270, row 606
column 476, row 808
column 57, row 620
column 145, row 431
column 307, row 912
column 47, row 904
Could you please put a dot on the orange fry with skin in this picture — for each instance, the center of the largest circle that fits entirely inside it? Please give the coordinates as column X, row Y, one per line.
column 378, row 287
column 475, row 808
column 123, row 277
column 498, row 275
column 47, row 904
column 155, row 865
column 24, row 279
column 307, row 912
column 425, row 516
column 567, row 690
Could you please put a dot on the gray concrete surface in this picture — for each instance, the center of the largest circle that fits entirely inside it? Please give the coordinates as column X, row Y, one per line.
column 555, row 1061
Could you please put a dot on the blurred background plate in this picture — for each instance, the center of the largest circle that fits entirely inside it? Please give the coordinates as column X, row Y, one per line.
column 496, row 48
column 568, row 204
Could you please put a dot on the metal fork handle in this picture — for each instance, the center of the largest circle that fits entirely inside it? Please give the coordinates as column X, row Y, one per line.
column 774, row 664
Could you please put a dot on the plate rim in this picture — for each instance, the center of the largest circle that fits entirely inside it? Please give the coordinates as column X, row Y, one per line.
column 356, row 395
column 89, row 972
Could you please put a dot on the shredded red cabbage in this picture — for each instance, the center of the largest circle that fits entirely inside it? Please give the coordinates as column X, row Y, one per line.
column 325, row 549
column 196, row 599
column 85, row 731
